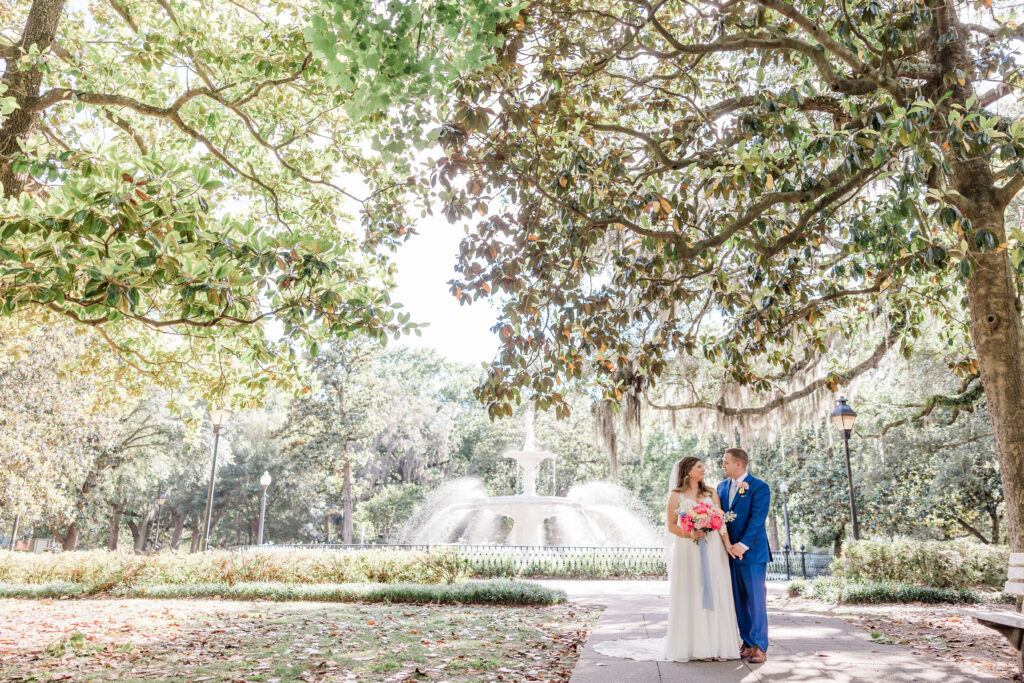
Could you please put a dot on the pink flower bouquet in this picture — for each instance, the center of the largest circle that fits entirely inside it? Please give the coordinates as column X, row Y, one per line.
column 704, row 517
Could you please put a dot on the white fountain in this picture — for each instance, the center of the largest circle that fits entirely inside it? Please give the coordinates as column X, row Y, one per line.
column 595, row 513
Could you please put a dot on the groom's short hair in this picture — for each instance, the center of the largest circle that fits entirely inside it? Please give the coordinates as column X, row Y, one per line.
column 739, row 455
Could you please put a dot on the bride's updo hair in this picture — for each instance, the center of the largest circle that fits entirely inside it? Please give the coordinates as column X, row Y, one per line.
column 683, row 468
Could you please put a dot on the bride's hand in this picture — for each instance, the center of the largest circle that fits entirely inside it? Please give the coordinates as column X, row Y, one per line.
column 696, row 534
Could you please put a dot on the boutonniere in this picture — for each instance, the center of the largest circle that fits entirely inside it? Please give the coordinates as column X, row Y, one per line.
column 742, row 487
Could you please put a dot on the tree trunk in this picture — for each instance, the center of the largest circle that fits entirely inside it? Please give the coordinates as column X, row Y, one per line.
column 14, row 532
column 116, row 510
column 999, row 343
column 974, row 532
column 994, row 514
column 196, row 538
column 69, row 540
column 346, row 491
column 179, row 527
column 135, row 532
column 773, row 533
column 23, row 85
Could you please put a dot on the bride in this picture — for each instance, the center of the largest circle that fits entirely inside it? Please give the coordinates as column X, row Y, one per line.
column 701, row 617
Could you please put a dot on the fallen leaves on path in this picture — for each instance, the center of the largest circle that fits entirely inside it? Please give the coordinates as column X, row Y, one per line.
column 943, row 631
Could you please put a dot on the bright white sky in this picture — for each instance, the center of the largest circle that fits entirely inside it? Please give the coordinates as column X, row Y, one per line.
column 425, row 264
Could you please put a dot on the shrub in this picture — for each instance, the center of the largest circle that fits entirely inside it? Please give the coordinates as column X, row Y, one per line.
column 831, row 589
column 942, row 564
column 499, row 592
column 102, row 570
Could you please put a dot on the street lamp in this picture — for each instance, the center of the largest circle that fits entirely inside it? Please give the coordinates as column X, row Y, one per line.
column 161, row 498
column 784, row 489
column 331, row 512
column 844, row 417
column 264, row 482
column 218, row 416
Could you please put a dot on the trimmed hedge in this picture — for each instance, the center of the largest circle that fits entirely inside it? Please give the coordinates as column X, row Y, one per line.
column 102, row 570
column 469, row 593
column 853, row 593
column 941, row 564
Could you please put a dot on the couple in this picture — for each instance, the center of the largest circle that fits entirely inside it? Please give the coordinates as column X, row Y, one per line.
column 717, row 588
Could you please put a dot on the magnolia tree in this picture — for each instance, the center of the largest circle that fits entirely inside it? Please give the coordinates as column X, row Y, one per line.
column 753, row 181
column 178, row 175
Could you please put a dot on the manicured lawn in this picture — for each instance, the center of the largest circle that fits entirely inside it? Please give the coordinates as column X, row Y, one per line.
column 211, row 640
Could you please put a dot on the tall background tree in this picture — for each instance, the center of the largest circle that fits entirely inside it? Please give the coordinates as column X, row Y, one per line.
column 788, row 189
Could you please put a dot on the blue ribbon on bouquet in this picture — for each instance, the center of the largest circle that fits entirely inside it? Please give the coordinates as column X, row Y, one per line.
column 705, row 575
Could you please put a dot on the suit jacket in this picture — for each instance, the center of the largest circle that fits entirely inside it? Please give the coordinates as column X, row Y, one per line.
column 751, row 510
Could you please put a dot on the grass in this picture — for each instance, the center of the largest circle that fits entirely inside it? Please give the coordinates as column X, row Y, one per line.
column 189, row 640
column 877, row 592
column 497, row 592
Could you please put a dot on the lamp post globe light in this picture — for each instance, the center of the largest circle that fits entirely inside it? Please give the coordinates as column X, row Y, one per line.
column 264, row 482
column 219, row 417
column 844, row 417
column 161, row 498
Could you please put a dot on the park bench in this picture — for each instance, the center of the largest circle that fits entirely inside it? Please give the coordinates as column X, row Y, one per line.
column 1010, row 624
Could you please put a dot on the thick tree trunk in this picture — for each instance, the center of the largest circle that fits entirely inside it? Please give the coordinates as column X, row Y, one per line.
column 135, row 533
column 999, row 343
column 68, row 540
column 346, row 491
column 178, row 528
column 773, row 533
column 23, row 85
column 196, row 538
column 116, row 510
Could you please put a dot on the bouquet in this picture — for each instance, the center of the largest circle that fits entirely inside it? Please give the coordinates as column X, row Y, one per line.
column 704, row 517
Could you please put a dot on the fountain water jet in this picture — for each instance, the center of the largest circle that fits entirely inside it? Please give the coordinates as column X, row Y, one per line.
column 594, row 513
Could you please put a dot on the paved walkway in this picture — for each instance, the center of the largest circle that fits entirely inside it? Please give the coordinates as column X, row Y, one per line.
column 804, row 646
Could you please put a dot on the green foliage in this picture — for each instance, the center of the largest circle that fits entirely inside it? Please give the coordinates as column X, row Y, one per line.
column 408, row 52
column 873, row 592
column 208, row 207
column 955, row 564
column 102, row 571
column 469, row 593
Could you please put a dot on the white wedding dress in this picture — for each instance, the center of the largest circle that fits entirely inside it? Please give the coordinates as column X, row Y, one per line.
column 693, row 631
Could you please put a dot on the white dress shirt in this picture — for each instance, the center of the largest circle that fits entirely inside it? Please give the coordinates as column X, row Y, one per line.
column 734, row 490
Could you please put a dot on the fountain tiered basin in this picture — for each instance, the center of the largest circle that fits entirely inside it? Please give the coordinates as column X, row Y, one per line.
column 594, row 514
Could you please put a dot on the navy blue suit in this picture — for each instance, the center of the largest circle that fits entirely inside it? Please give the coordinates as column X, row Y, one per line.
column 750, row 574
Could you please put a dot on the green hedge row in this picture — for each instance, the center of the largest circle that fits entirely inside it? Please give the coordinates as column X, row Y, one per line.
column 103, row 570
column 942, row 564
column 468, row 593
column 836, row 590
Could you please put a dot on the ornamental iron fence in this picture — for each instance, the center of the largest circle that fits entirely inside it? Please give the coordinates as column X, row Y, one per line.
column 592, row 562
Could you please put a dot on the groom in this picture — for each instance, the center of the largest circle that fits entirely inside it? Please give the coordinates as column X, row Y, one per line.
column 749, row 498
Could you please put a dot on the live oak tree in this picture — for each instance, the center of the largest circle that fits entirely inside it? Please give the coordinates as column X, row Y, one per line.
column 176, row 175
column 757, row 181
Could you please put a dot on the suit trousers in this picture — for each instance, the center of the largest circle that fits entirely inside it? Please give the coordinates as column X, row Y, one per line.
column 749, row 591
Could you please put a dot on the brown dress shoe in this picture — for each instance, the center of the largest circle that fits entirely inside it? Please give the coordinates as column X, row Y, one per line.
column 757, row 656
column 745, row 651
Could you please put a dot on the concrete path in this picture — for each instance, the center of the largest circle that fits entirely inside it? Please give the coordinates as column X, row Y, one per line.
column 804, row 646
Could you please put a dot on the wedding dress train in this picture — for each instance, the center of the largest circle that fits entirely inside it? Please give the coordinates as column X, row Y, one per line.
column 694, row 632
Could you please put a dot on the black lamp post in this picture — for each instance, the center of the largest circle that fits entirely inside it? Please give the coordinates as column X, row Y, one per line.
column 784, row 489
column 844, row 416
column 160, row 500
column 218, row 416
column 264, row 482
